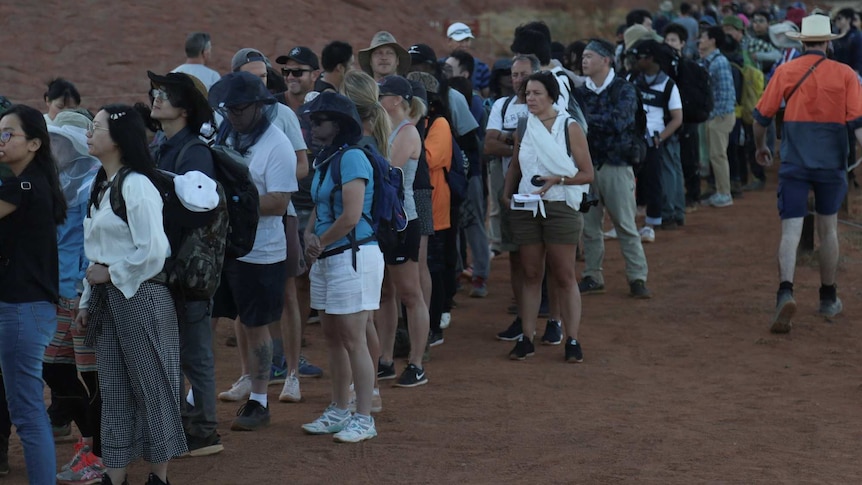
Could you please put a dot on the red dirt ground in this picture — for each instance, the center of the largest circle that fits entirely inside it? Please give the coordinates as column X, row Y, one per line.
column 688, row 387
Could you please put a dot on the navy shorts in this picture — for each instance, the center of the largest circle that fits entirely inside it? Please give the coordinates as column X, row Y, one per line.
column 408, row 250
column 254, row 292
column 794, row 183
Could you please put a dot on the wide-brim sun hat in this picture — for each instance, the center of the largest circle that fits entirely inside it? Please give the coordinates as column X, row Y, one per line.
column 778, row 35
column 815, row 28
column 637, row 33
column 339, row 108
column 382, row 39
column 239, row 88
column 191, row 87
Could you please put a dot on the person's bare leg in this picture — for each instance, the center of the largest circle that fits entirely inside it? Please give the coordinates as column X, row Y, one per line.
column 259, row 357
column 160, row 470
column 406, row 278
column 339, row 362
column 533, row 267
column 117, row 475
column 242, row 346
column 350, row 336
column 516, row 275
column 291, row 326
column 387, row 317
column 827, row 231
column 561, row 261
column 424, row 273
column 791, row 232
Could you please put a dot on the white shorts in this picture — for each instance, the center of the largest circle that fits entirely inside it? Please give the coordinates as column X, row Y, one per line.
column 338, row 289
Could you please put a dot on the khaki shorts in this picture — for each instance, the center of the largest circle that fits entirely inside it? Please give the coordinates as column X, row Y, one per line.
column 562, row 225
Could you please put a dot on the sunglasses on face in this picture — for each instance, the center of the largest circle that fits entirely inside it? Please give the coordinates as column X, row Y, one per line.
column 159, row 94
column 294, row 72
column 7, row 135
column 91, row 128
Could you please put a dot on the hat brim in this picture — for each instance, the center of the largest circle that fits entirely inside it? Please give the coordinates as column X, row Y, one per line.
column 460, row 37
column 185, row 82
column 812, row 38
column 404, row 58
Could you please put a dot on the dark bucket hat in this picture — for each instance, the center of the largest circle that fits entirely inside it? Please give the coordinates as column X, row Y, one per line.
column 238, row 88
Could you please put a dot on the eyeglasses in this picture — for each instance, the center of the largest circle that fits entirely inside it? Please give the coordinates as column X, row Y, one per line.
column 159, row 94
column 238, row 110
column 91, row 128
column 294, row 72
column 7, row 135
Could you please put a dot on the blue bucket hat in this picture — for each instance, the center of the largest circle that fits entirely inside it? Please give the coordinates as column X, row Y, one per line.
column 238, row 88
column 342, row 110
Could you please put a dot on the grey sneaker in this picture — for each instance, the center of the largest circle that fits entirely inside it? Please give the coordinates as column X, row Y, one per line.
column 720, row 200
column 785, row 308
column 331, row 421
column 359, row 428
column 589, row 286
column 830, row 309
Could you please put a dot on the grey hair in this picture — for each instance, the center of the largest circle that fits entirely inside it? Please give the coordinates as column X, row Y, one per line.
column 197, row 43
column 535, row 64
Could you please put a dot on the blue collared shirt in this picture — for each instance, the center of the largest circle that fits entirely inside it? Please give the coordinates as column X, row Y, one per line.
column 721, row 78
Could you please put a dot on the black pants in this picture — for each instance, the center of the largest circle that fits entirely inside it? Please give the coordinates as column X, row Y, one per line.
column 5, row 420
column 70, row 396
column 649, row 192
column 689, row 154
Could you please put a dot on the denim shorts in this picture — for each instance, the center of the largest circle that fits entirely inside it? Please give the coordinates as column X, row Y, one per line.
column 794, row 183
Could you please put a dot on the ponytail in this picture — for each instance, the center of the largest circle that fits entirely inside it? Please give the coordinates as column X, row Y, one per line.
column 417, row 108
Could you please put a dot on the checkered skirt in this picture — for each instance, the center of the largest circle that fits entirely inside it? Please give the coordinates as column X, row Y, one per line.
column 138, row 358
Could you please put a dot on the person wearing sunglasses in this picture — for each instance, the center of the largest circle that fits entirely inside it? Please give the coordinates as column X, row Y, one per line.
column 32, row 204
column 301, row 70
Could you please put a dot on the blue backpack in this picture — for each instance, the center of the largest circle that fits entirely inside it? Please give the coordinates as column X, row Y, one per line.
column 388, row 219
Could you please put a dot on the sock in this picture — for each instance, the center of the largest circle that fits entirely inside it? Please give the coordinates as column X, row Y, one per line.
column 261, row 398
column 557, row 322
column 828, row 293
column 190, row 398
column 786, row 285
column 278, row 353
column 572, row 341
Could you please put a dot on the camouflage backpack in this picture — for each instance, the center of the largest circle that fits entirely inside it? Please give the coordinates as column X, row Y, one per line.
column 197, row 239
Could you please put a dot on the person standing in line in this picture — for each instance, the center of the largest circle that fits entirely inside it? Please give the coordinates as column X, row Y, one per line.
column 198, row 54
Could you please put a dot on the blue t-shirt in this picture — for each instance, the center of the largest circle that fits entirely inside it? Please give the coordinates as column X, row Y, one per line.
column 354, row 165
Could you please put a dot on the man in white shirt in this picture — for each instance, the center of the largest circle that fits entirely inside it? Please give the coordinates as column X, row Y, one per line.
column 253, row 285
column 660, row 183
column 198, row 53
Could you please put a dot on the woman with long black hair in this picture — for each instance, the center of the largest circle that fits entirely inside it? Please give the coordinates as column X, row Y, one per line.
column 126, row 306
column 31, row 207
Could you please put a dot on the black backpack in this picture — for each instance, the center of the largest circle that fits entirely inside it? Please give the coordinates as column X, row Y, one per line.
column 693, row 83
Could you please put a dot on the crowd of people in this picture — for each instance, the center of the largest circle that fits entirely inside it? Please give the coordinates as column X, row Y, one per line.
column 526, row 156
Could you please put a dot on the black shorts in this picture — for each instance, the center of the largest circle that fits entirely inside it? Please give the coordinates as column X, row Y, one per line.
column 254, row 292
column 408, row 250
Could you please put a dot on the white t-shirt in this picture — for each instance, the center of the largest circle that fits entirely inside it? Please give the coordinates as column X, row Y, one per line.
column 287, row 121
column 272, row 165
column 654, row 114
column 507, row 124
column 200, row 71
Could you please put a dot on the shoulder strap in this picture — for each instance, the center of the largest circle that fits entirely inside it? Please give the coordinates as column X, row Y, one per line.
column 668, row 91
column 566, row 131
column 799, row 83
column 118, row 202
column 506, row 107
column 570, row 85
column 522, row 128
column 189, row 144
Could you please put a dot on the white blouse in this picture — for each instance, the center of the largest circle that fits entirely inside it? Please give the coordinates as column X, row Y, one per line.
column 133, row 252
column 530, row 165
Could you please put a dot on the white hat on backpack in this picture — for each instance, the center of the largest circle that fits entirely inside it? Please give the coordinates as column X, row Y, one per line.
column 196, row 191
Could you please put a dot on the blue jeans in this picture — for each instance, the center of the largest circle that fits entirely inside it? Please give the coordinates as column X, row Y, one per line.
column 25, row 330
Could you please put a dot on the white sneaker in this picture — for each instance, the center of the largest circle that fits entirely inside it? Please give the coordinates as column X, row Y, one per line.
column 290, row 391
column 359, row 428
column 331, row 421
column 239, row 391
column 612, row 234
column 445, row 319
column 376, row 401
column 647, row 234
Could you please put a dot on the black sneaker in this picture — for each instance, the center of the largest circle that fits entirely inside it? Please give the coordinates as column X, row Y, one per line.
column 204, row 446
column 4, row 455
column 412, row 377
column 589, row 286
column 435, row 338
column 553, row 333
column 514, row 331
column 638, row 289
column 574, row 354
column 523, row 349
column 154, row 480
column 106, row 480
column 385, row 371
column 251, row 416
column 313, row 317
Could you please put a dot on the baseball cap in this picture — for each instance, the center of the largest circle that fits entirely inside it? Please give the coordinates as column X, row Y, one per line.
column 733, row 21
column 246, row 55
column 302, row 55
column 422, row 53
column 396, row 86
column 459, row 31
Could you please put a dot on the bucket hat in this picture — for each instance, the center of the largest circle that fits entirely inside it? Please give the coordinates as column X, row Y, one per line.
column 340, row 109
column 238, row 88
column 381, row 39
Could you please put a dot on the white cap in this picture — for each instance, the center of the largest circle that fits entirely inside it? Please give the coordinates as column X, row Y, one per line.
column 459, row 31
column 196, row 191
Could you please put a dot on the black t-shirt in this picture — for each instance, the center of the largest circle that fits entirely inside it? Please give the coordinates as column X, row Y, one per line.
column 29, row 263
column 422, row 180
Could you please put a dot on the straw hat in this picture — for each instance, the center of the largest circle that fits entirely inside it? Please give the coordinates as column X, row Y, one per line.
column 381, row 39
column 778, row 35
column 815, row 28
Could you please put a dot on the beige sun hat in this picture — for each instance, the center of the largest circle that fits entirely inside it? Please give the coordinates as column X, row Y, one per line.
column 637, row 33
column 381, row 39
column 815, row 28
column 778, row 35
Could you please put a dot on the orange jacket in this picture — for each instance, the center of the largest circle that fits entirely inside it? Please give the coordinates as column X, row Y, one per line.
column 438, row 154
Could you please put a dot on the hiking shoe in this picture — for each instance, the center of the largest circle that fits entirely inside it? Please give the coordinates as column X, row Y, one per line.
column 240, row 390
column 612, row 234
column 80, row 450
column 514, row 331
column 251, row 416
column 445, row 320
column 720, row 200
column 290, row 391
column 829, row 308
column 307, row 369
column 523, row 349
column 553, row 333
column 647, row 234
column 359, row 428
column 574, row 353
column 785, row 308
column 331, row 421
column 385, row 371
column 589, row 286
column 638, row 289
column 480, row 288
column 277, row 374
column 435, row 338
column 313, row 317
column 210, row 445
column 412, row 377
column 755, row 184
column 84, row 474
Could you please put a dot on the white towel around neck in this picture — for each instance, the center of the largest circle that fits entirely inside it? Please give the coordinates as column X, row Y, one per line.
column 554, row 158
